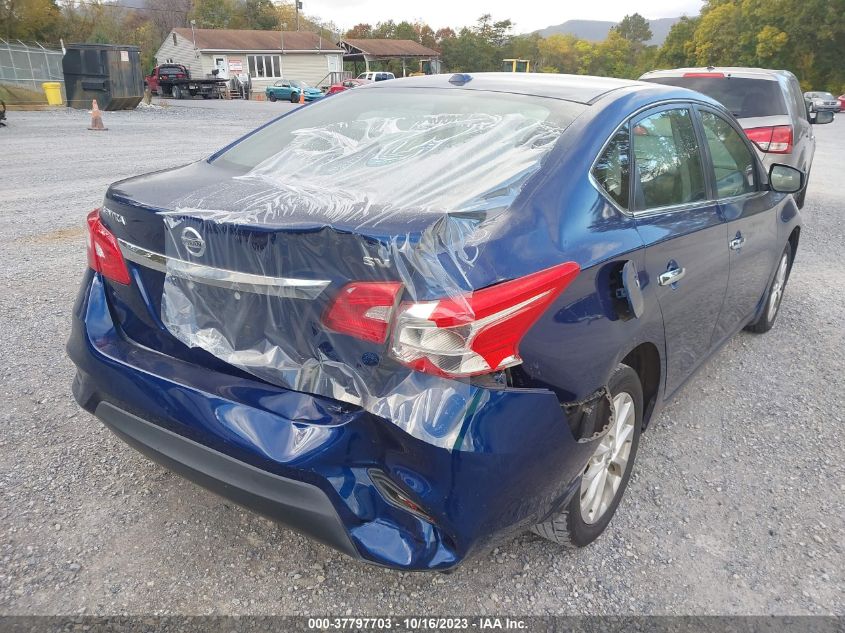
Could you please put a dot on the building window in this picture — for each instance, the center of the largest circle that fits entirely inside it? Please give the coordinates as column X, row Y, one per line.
column 265, row 66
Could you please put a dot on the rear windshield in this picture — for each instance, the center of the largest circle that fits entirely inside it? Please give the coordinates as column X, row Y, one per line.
column 170, row 70
column 745, row 98
column 431, row 148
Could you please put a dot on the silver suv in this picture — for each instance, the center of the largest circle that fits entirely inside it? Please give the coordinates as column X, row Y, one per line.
column 768, row 104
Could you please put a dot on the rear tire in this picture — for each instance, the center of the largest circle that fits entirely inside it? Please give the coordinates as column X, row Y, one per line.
column 774, row 294
column 606, row 475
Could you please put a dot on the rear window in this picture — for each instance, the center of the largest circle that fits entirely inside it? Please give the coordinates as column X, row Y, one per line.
column 744, row 98
column 436, row 149
column 170, row 70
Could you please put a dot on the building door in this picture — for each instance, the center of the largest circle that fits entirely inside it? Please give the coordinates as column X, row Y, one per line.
column 222, row 67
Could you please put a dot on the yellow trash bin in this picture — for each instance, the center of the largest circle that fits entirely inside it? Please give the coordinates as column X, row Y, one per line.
column 53, row 90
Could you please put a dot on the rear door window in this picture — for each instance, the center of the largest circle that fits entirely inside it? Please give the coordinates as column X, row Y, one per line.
column 612, row 169
column 744, row 98
column 797, row 97
column 668, row 166
column 733, row 163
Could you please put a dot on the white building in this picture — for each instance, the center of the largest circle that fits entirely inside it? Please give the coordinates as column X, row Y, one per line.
column 266, row 56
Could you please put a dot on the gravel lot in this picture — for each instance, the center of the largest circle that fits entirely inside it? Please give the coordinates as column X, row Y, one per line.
column 735, row 507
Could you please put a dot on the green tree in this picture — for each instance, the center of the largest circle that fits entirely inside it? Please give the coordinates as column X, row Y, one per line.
column 260, row 15
column 560, row 53
column 717, row 37
column 771, row 44
column 405, row 31
column 28, row 19
column 634, row 28
column 214, row 14
column 678, row 48
column 615, row 56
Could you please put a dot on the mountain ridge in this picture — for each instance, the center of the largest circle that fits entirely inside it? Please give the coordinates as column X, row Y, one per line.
column 597, row 30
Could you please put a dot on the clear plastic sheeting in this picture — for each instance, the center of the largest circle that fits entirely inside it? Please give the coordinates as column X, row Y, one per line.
column 342, row 198
column 439, row 162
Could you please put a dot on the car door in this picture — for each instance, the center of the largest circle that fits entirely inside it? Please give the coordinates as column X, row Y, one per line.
column 684, row 232
column 749, row 212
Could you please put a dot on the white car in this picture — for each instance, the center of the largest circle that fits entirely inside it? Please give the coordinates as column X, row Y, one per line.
column 376, row 76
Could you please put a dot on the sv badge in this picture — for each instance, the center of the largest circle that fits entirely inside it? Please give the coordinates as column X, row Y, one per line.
column 376, row 262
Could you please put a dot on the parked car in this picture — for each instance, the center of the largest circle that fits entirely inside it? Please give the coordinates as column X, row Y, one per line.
column 289, row 89
column 412, row 328
column 346, row 84
column 376, row 76
column 841, row 99
column 768, row 104
column 822, row 101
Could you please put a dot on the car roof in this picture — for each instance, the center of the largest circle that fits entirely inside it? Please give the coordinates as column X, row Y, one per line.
column 583, row 89
column 728, row 71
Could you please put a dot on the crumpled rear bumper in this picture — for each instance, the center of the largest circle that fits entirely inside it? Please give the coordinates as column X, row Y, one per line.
column 312, row 463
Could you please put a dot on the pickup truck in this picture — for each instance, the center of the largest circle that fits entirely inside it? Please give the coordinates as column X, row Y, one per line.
column 175, row 80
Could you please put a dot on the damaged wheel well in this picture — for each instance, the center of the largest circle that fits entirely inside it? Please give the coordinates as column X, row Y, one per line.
column 645, row 360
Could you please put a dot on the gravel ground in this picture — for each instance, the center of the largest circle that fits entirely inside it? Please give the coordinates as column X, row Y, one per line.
column 735, row 507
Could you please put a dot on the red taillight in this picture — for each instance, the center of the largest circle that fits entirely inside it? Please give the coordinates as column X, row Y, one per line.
column 704, row 74
column 775, row 140
column 363, row 309
column 479, row 332
column 104, row 254
column 474, row 333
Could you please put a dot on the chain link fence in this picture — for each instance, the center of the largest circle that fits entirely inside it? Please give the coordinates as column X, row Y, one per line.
column 24, row 67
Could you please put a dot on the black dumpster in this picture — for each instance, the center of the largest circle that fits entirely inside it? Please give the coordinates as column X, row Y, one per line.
column 111, row 74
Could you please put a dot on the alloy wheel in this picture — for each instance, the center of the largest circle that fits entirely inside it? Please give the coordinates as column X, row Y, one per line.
column 604, row 472
column 778, row 286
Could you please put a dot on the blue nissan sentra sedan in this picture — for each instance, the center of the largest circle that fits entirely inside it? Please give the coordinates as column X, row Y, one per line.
column 436, row 312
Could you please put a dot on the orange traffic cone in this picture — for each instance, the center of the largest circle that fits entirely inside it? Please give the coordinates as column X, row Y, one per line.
column 301, row 97
column 96, row 118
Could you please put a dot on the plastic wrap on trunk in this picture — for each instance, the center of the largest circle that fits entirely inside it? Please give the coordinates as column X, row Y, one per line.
column 255, row 260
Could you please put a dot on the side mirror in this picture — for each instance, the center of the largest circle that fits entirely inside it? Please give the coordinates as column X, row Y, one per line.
column 785, row 179
column 825, row 116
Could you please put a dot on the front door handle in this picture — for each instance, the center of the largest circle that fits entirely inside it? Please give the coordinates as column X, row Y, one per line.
column 671, row 276
column 737, row 242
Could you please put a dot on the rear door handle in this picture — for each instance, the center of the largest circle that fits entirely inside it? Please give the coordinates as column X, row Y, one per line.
column 671, row 276
column 737, row 242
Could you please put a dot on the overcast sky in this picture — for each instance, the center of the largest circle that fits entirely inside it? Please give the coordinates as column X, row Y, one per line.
column 529, row 15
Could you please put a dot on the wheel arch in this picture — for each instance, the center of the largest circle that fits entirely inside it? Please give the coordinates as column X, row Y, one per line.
column 793, row 240
column 645, row 360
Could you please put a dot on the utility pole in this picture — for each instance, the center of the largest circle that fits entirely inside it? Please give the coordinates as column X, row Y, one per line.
column 298, row 5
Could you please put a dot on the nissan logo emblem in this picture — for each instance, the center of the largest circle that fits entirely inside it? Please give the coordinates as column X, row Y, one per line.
column 193, row 241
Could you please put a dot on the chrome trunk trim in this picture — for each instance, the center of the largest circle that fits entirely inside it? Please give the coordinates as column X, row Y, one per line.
column 223, row 278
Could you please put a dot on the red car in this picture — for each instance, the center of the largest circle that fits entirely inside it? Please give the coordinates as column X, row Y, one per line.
column 346, row 84
column 841, row 99
column 165, row 73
